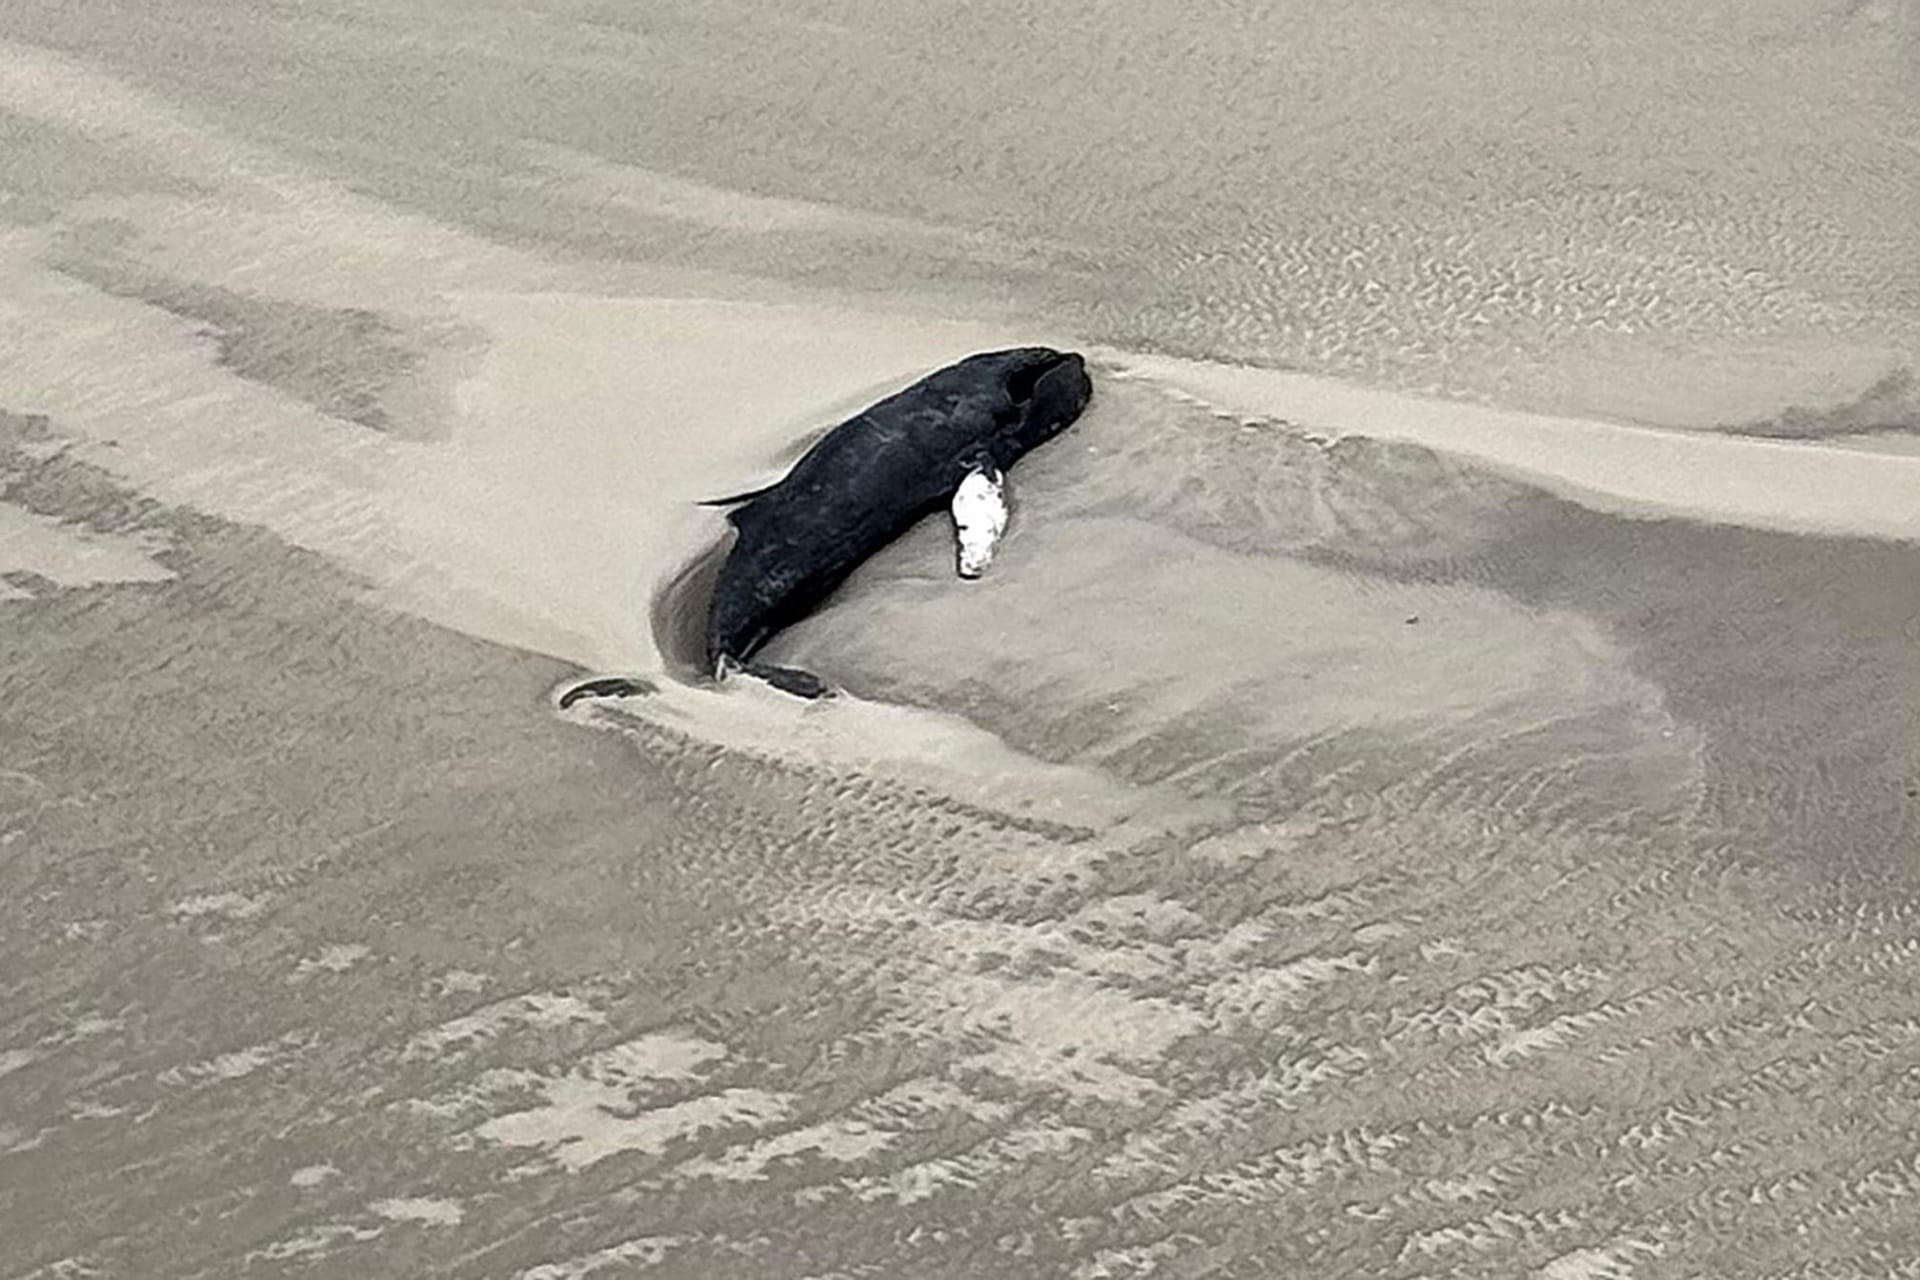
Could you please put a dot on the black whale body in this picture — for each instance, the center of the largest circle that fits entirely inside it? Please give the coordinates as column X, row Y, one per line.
column 869, row 480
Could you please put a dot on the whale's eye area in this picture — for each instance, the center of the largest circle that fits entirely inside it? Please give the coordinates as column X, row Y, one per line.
column 1022, row 382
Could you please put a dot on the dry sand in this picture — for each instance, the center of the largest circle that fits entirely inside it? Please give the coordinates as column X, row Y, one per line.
column 1349, row 832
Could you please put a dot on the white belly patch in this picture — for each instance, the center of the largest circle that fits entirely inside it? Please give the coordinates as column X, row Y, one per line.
column 979, row 518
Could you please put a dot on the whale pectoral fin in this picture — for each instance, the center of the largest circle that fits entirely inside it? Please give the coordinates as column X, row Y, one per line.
column 607, row 687
column 979, row 508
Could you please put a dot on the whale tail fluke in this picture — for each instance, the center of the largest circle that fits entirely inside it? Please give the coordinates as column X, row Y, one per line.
column 607, row 687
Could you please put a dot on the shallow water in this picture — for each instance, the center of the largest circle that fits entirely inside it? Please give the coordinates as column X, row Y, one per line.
column 1342, row 835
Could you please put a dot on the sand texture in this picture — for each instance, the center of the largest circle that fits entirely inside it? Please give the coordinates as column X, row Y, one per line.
column 1429, row 786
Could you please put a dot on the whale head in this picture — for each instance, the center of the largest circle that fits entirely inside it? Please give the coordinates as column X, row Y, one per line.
column 1046, row 391
column 1004, row 403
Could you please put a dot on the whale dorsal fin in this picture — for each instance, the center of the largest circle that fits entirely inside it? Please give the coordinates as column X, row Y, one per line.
column 735, row 499
column 740, row 505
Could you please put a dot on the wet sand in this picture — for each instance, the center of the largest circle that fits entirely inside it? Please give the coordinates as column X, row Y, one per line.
column 1348, row 832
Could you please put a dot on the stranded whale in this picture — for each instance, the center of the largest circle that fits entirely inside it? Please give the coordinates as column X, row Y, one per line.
column 944, row 441
column 869, row 480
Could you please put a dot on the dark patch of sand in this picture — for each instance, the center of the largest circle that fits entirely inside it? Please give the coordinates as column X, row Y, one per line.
column 1891, row 404
column 347, row 362
column 45, row 169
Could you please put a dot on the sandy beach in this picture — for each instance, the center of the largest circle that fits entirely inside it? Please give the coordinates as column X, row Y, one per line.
column 1430, row 785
